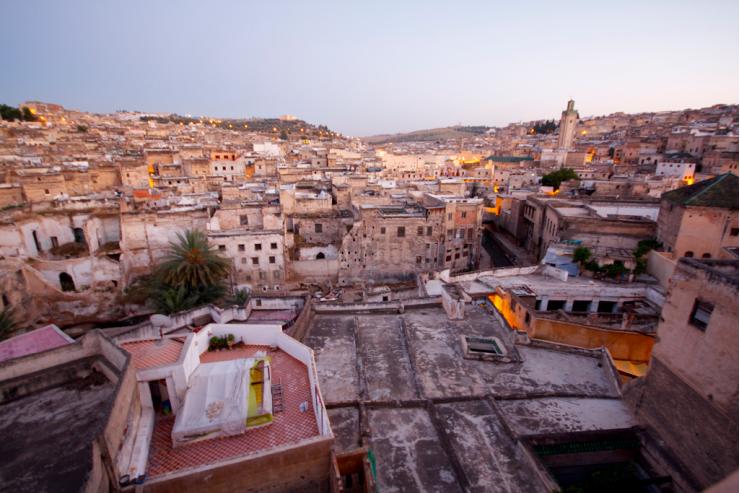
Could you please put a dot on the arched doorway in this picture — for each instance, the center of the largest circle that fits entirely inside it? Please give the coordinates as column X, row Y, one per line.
column 66, row 281
column 320, row 256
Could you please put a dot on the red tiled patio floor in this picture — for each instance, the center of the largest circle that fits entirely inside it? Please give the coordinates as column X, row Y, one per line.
column 155, row 352
column 289, row 426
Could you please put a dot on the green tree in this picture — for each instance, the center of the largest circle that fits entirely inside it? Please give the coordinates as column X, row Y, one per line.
column 192, row 262
column 239, row 298
column 615, row 270
column 173, row 300
column 28, row 115
column 555, row 178
column 10, row 113
column 581, row 255
column 191, row 274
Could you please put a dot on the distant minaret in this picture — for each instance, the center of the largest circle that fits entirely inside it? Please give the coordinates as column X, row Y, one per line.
column 568, row 122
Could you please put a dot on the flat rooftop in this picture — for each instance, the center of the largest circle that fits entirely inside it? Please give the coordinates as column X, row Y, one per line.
column 288, row 427
column 69, row 414
column 154, row 353
column 440, row 422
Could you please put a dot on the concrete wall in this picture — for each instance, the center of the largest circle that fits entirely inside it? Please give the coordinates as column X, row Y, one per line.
column 689, row 396
column 302, row 468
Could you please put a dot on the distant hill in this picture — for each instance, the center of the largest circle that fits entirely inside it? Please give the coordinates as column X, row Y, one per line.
column 429, row 135
column 262, row 125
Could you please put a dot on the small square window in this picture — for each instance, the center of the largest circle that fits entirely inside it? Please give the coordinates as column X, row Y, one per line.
column 243, row 220
column 733, row 231
column 418, row 260
column 222, row 248
column 420, row 231
column 241, row 248
column 244, row 260
column 272, row 260
column 257, row 247
column 273, row 246
column 382, row 230
column 318, row 228
column 701, row 314
column 401, row 232
column 255, row 260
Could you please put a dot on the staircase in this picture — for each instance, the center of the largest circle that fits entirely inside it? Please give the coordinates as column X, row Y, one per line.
column 277, row 398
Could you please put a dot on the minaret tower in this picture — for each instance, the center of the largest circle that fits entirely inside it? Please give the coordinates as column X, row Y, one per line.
column 568, row 121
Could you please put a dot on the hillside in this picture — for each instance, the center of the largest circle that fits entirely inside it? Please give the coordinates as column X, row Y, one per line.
column 428, row 135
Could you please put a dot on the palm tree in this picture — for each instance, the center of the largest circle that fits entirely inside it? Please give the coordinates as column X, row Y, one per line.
column 173, row 300
column 191, row 262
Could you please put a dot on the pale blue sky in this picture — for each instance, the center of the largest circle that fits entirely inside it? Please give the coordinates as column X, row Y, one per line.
column 374, row 66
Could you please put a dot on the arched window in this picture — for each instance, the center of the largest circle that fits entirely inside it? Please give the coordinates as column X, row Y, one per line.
column 66, row 282
column 688, row 254
column 320, row 256
column 706, row 255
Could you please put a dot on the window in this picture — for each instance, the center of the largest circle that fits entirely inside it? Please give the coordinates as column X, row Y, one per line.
column 688, row 254
column 272, row 260
column 706, row 255
column 418, row 260
column 470, row 234
column 244, row 220
column 257, row 247
column 273, row 246
column 46, row 191
column 318, row 228
column 222, row 248
column 463, row 215
column 555, row 305
column 401, row 232
column 429, row 231
column 420, row 231
column 241, row 248
column 54, row 242
column 262, row 276
column 244, row 260
column 382, row 230
column 277, row 275
column 449, row 216
column 733, row 231
column 700, row 314
column 255, row 260
column 581, row 305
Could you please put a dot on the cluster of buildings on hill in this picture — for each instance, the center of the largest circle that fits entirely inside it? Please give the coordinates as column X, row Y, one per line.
column 424, row 316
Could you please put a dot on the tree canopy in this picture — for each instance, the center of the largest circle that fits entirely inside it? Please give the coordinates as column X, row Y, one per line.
column 11, row 113
column 192, row 274
column 555, row 178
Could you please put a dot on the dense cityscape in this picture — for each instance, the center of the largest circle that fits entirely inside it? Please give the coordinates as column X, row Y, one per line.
column 369, row 247
column 195, row 303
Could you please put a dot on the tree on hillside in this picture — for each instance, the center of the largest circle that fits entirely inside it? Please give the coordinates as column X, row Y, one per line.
column 555, row 178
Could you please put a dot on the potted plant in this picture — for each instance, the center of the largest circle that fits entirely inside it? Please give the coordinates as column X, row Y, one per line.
column 230, row 341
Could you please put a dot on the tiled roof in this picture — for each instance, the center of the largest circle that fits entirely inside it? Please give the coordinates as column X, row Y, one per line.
column 155, row 352
column 289, row 426
column 43, row 339
column 721, row 192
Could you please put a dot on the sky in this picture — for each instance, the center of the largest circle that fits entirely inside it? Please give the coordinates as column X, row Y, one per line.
column 371, row 67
